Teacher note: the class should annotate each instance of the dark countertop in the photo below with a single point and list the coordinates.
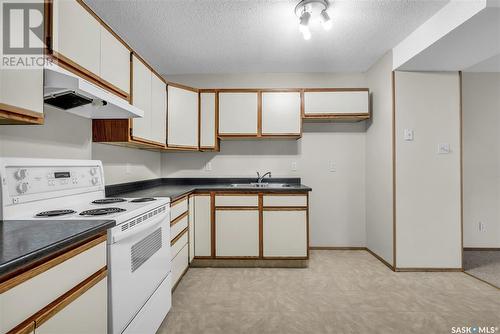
(176, 188)
(23, 242)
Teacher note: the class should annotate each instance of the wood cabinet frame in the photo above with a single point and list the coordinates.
(259, 91)
(337, 116)
(69, 64)
(216, 147)
(261, 208)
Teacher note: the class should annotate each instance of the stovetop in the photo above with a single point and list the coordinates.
(119, 209)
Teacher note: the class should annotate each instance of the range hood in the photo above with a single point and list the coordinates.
(66, 91)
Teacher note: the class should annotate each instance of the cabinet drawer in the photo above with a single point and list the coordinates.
(178, 208)
(285, 200)
(178, 244)
(86, 314)
(23, 300)
(236, 200)
(178, 227)
(179, 264)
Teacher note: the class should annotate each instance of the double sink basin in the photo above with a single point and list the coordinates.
(260, 185)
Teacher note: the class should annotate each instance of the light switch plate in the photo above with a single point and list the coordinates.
(408, 134)
(294, 166)
(443, 148)
(208, 166)
(333, 166)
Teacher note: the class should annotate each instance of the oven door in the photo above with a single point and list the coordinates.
(139, 260)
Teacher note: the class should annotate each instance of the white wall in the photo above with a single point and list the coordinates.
(66, 136)
(379, 175)
(337, 215)
(428, 184)
(481, 158)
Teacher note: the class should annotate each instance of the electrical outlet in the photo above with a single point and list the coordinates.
(443, 148)
(208, 166)
(294, 166)
(408, 134)
(482, 227)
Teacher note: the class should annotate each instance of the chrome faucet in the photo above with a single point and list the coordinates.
(260, 178)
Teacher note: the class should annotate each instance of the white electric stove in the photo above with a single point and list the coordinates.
(138, 246)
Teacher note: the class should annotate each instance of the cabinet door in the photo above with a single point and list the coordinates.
(191, 228)
(86, 314)
(202, 226)
(141, 98)
(208, 131)
(281, 113)
(77, 34)
(22, 89)
(115, 61)
(238, 113)
(158, 110)
(335, 102)
(285, 233)
(182, 116)
(237, 233)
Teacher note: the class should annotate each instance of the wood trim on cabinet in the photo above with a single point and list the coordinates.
(181, 86)
(26, 327)
(236, 208)
(60, 303)
(171, 147)
(335, 116)
(14, 281)
(16, 115)
(261, 226)
(351, 248)
(179, 218)
(118, 132)
(285, 208)
(178, 236)
(178, 200)
(212, 222)
(80, 71)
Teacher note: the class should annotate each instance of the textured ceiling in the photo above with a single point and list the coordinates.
(233, 36)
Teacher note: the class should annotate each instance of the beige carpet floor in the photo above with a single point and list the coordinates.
(483, 264)
(340, 292)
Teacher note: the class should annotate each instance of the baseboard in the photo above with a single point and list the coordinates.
(390, 266)
(337, 248)
(437, 270)
(482, 280)
(481, 248)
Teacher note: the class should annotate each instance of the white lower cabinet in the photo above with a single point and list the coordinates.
(202, 226)
(191, 227)
(180, 264)
(285, 233)
(237, 233)
(86, 314)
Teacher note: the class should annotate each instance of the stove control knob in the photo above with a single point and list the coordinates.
(22, 187)
(21, 173)
(95, 181)
(93, 171)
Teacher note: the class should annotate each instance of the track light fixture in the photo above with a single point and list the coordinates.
(307, 10)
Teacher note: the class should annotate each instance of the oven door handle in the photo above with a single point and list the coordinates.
(120, 235)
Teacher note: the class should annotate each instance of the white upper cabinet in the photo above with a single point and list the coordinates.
(158, 110)
(281, 113)
(317, 103)
(76, 34)
(182, 113)
(115, 61)
(208, 131)
(238, 113)
(81, 41)
(22, 89)
(141, 98)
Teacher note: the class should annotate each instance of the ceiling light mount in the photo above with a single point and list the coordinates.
(312, 9)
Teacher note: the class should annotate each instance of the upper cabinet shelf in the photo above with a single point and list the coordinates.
(350, 104)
